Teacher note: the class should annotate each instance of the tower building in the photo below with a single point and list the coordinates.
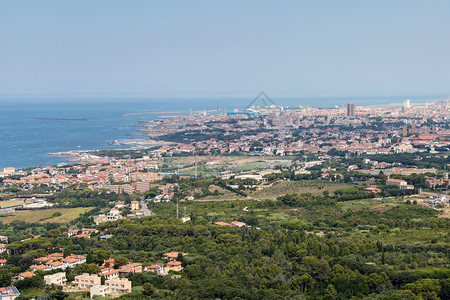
(350, 110)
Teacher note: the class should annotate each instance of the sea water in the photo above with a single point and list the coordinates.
(27, 132)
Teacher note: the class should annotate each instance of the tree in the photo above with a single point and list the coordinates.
(426, 288)
(377, 281)
(43, 296)
(87, 268)
(316, 268)
(5, 279)
(59, 295)
(193, 272)
(303, 283)
(330, 293)
(148, 289)
(29, 282)
(120, 261)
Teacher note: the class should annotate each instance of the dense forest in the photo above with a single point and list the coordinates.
(357, 255)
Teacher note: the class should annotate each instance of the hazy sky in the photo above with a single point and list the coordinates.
(227, 47)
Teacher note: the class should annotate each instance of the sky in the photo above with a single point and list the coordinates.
(235, 48)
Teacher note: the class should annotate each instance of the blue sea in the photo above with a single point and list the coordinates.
(25, 140)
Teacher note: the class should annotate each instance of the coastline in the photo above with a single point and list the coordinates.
(27, 141)
(77, 155)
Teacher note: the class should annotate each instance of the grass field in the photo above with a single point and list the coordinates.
(315, 187)
(10, 203)
(43, 216)
(225, 195)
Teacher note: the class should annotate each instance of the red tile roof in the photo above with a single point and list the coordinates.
(26, 274)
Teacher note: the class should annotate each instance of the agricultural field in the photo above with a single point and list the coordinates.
(57, 215)
(225, 195)
(11, 203)
(371, 204)
(221, 160)
(212, 210)
(211, 166)
(315, 187)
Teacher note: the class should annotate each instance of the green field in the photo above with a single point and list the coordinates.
(225, 195)
(46, 215)
(315, 187)
(347, 217)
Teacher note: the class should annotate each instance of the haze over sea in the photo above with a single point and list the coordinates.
(25, 140)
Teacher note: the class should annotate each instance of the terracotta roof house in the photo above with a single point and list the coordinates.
(172, 255)
(25, 275)
(39, 267)
(130, 268)
(9, 292)
(174, 266)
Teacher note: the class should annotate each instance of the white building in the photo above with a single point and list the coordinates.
(99, 290)
(57, 278)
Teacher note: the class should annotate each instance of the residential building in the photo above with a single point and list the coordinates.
(130, 268)
(56, 256)
(73, 260)
(372, 190)
(174, 266)
(173, 255)
(86, 281)
(89, 230)
(134, 205)
(238, 224)
(222, 224)
(39, 267)
(57, 279)
(99, 290)
(114, 214)
(397, 182)
(158, 268)
(119, 285)
(54, 265)
(83, 235)
(25, 275)
(72, 232)
(9, 170)
(109, 273)
(400, 183)
(9, 293)
(110, 262)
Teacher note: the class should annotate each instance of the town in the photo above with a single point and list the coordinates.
(67, 226)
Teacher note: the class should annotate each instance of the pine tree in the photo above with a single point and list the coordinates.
(330, 293)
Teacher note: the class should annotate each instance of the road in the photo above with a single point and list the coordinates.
(145, 209)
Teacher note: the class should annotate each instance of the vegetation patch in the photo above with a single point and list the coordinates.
(315, 187)
(54, 215)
